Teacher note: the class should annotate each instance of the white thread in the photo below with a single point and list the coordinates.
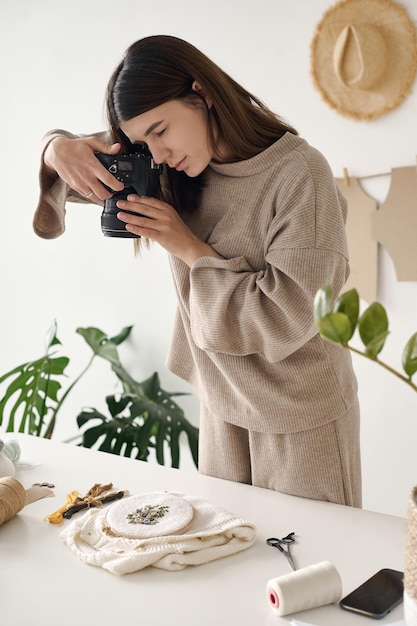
(306, 588)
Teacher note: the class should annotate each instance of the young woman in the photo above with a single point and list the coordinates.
(254, 225)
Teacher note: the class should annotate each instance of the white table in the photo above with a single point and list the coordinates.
(42, 582)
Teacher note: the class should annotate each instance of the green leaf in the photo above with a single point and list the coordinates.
(322, 303)
(142, 417)
(115, 436)
(100, 344)
(139, 422)
(374, 347)
(122, 336)
(58, 365)
(348, 303)
(409, 356)
(373, 329)
(192, 435)
(117, 404)
(129, 383)
(151, 387)
(88, 414)
(335, 327)
(31, 394)
(51, 338)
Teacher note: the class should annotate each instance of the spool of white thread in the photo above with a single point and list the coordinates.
(306, 588)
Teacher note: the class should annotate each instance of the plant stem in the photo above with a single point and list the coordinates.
(73, 438)
(51, 424)
(408, 381)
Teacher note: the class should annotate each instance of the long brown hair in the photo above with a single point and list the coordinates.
(161, 68)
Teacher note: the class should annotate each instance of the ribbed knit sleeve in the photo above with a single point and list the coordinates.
(49, 217)
(270, 312)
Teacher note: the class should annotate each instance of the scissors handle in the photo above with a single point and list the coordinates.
(283, 546)
(275, 543)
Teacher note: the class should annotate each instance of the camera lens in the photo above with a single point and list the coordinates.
(111, 226)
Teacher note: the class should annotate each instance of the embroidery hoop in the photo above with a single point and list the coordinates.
(176, 516)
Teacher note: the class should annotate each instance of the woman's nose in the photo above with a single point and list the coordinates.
(160, 155)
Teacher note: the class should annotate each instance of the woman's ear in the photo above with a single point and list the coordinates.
(201, 92)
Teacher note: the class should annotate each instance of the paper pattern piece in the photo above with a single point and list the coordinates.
(36, 492)
(395, 224)
(363, 249)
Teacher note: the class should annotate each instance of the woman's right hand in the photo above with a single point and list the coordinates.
(75, 163)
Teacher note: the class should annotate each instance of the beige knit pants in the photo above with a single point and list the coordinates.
(321, 464)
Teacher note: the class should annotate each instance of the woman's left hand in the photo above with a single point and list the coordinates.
(160, 222)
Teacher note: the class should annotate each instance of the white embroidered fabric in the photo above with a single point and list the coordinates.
(166, 530)
(148, 515)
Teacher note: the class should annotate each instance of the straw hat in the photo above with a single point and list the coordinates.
(364, 57)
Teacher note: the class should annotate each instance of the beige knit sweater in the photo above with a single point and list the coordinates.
(212, 533)
(244, 334)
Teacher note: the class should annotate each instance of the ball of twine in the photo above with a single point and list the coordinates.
(12, 498)
(410, 570)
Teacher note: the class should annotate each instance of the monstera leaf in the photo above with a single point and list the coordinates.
(31, 395)
(31, 400)
(143, 417)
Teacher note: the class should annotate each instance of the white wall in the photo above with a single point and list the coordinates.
(56, 60)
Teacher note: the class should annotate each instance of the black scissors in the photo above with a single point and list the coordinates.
(283, 546)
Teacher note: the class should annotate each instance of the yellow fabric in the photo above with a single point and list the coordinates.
(56, 517)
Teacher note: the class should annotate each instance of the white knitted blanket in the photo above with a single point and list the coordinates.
(159, 529)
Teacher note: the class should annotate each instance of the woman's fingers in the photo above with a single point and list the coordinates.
(152, 218)
(75, 162)
(142, 207)
(159, 221)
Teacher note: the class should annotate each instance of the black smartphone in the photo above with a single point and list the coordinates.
(378, 595)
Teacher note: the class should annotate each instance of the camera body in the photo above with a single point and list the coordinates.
(139, 174)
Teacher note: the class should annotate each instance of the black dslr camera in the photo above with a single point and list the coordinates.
(139, 174)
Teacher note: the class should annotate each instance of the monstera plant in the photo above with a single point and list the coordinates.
(142, 415)
(338, 322)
